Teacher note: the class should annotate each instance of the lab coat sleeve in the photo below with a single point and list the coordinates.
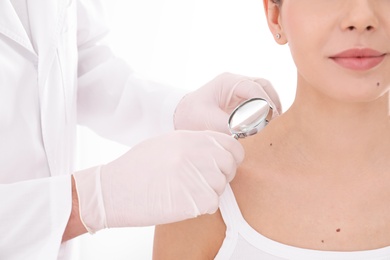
(112, 100)
(33, 218)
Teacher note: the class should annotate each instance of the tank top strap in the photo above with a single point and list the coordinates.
(229, 208)
(232, 217)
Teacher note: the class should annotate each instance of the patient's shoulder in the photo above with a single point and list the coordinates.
(198, 238)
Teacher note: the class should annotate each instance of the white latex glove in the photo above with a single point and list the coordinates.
(209, 107)
(165, 179)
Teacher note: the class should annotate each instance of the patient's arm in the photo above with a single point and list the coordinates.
(197, 239)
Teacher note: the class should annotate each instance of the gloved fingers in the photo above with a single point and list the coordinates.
(272, 95)
(233, 89)
(227, 78)
(228, 167)
(200, 199)
(230, 144)
(220, 121)
(227, 155)
(208, 203)
(205, 173)
(209, 206)
(247, 88)
(218, 177)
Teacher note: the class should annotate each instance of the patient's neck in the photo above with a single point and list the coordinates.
(329, 130)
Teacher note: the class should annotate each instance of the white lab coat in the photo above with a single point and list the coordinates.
(62, 76)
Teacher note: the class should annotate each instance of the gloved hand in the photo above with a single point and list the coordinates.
(209, 107)
(164, 179)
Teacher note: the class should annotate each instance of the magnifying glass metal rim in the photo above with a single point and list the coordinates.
(256, 127)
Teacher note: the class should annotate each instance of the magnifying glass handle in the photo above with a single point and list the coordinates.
(239, 135)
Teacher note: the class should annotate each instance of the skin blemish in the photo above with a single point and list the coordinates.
(338, 230)
(270, 144)
(322, 241)
(378, 84)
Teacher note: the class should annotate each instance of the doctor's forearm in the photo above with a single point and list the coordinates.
(74, 227)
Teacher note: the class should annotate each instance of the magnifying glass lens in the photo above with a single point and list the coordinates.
(249, 117)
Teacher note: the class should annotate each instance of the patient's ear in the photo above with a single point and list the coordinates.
(273, 12)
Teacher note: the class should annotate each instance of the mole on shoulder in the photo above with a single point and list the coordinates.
(338, 230)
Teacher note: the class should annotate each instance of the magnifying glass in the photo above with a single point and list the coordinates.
(249, 117)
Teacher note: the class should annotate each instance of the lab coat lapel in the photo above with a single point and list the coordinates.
(11, 26)
(45, 18)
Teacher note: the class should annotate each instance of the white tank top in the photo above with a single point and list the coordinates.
(243, 242)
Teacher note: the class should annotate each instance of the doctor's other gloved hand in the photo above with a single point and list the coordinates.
(209, 107)
(169, 178)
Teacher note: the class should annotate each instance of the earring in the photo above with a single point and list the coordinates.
(278, 36)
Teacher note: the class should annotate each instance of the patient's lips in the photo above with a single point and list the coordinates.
(359, 59)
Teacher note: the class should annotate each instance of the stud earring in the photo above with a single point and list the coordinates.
(278, 36)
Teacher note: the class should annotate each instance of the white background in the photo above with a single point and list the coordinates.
(182, 43)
